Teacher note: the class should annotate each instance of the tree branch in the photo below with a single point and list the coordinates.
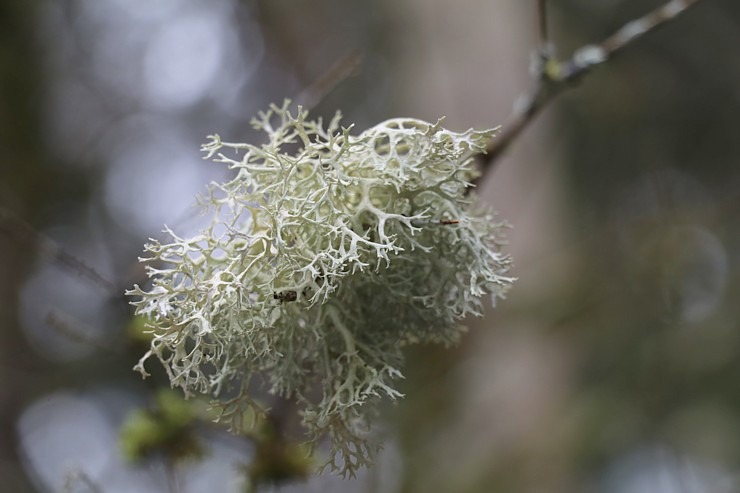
(544, 37)
(553, 77)
(22, 231)
(342, 69)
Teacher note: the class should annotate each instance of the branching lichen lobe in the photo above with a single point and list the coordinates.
(320, 264)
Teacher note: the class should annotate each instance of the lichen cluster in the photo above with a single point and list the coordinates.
(328, 252)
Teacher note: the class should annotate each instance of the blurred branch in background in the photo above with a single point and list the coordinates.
(553, 77)
(543, 28)
(345, 67)
(25, 234)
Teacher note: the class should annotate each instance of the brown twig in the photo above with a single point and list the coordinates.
(553, 77)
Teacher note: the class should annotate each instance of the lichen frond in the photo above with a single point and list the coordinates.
(328, 252)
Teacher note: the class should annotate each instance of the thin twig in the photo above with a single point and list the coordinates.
(173, 485)
(80, 477)
(543, 33)
(24, 232)
(342, 69)
(75, 330)
(554, 77)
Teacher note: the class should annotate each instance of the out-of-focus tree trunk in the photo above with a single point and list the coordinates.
(471, 407)
(22, 185)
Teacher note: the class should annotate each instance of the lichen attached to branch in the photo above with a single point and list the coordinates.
(328, 252)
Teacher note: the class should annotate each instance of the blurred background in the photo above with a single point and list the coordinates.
(614, 366)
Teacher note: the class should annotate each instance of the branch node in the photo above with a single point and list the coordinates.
(552, 76)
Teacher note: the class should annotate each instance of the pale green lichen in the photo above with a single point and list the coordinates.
(327, 253)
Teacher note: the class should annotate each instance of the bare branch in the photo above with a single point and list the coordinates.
(543, 33)
(342, 69)
(24, 232)
(78, 478)
(554, 77)
(76, 331)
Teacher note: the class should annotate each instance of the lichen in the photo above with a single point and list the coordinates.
(327, 253)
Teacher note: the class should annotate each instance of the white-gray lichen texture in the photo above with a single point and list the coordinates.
(327, 253)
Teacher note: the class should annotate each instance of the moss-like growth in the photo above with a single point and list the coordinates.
(167, 429)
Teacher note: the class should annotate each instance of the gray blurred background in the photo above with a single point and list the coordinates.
(614, 366)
